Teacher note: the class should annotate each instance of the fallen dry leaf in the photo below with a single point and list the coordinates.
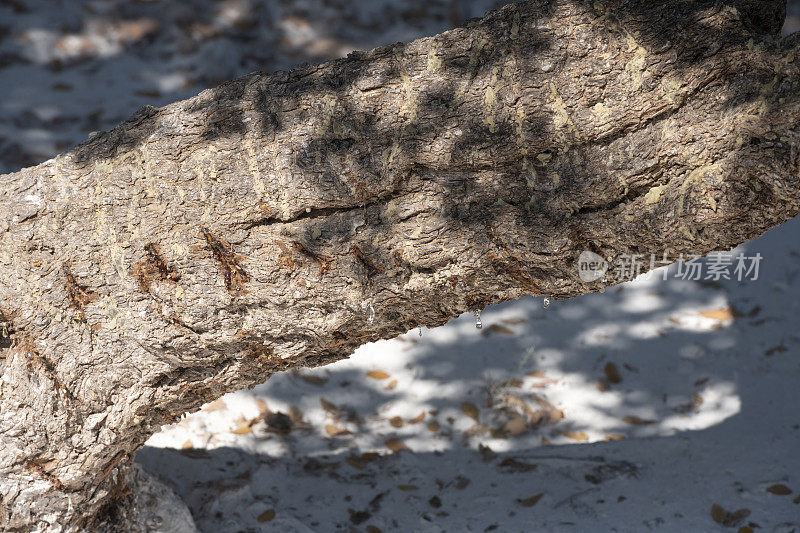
(519, 466)
(513, 321)
(462, 482)
(470, 409)
(396, 445)
(262, 407)
(434, 426)
(723, 314)
(718, 514)
(579, 436)
(516, 426)
(295, 414)
(728, 519)
(615, 436)
(417, 419)
(188, 445)
(612, 374)
(355, 463)
(536, 374)
(530, 502)
(407, 487)
(242, 429)
(216, 405)
(377, 374)
(636, 421)
(775, 349)
(391, 385)
(314, 380)
(498, 433)
(513, 382)
(335, 431)
(478, 429)
(779, 489)
(497, 328)
(555, 416)
(266, 516)
(329, 407)
(396, 422)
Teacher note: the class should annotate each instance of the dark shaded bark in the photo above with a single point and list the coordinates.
(199, 248)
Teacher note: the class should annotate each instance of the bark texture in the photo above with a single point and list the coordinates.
(201, 247)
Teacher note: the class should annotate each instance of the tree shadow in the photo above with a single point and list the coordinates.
(705, 415)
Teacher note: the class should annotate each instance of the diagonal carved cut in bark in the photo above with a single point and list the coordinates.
(201, 247)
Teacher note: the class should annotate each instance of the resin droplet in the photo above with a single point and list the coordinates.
(546, 303)
(367, 308)
(478, 323)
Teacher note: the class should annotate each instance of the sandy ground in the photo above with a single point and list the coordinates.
(662, 404)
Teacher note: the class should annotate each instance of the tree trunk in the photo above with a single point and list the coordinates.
(201, 247)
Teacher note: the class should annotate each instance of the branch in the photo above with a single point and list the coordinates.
(201, 247)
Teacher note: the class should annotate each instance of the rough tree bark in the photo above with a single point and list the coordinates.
(202, 247)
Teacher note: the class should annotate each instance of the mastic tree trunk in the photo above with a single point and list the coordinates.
(201, 247)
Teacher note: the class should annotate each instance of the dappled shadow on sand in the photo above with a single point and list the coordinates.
(702, 402)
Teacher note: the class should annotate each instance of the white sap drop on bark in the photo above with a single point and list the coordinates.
(370, 310)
